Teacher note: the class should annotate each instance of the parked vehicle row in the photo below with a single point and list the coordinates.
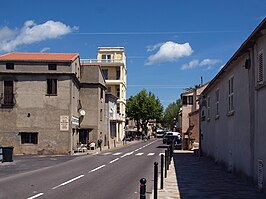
(173, 137)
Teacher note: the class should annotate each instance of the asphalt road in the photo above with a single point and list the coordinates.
(112, 174)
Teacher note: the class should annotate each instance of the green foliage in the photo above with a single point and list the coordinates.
(143, 107)
(171, 113)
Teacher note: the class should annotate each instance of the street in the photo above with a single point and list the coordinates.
(109, 174)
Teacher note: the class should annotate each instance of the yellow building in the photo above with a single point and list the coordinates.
(113, 64)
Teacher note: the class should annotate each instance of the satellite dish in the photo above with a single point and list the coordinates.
(82, 112)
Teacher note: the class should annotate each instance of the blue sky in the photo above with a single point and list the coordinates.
(169, 44)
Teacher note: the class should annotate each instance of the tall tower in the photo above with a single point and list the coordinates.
(113, 65)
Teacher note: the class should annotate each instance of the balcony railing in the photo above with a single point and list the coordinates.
(95, 61)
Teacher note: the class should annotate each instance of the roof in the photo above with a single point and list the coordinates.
(21, 56)
(259, 31)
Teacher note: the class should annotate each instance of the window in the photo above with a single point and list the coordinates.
(52, 86)
(109, 89)
(118, 92)
(208, 107)
(8, 93)
(29, 138)
(117, 74)
(101, 93)
(106, 58)
(184, 100)
(260, 67)
(10, 66)
(105, 73)
(52, 66)
(101, 115)
(190, 100)
(217, 101)
(231, 93)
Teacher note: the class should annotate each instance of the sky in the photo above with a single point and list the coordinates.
(169, 44)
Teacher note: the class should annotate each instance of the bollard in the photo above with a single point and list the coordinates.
(142, 191)
(155, 180)
(165, 163)
(162, 157)
(170, 153)
(168, 158)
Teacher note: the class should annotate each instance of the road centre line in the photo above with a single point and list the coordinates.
(150, 154)
(138, 154)
(97, 168)
(117, 153)
(113, 161)
(36, 196)
(67, 182)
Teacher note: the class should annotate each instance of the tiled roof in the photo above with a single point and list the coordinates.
(17, 56)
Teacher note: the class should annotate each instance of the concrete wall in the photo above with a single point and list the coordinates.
(90, 95)
(226, 137)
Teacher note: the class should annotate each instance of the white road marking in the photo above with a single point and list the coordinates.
(113, 161)
(69, 181)
(107, 153)
(97, 168)
(130, 153)
(150, 154)
(36, 196)
(117, 153)
(136, 150)
(138, 154)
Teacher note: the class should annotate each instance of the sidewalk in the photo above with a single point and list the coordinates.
(192, 177)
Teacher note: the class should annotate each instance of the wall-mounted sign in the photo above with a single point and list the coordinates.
(64, 122)
(75, 120)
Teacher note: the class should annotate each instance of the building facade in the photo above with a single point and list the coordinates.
(233, 112)
(113, 64)
(38, 102)
(189, 117)
(92, 101)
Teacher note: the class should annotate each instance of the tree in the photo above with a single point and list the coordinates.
(143, 107)
(171, 113)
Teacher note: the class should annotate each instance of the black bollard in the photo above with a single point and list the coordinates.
(162, 157)
(142, 191)
(155, 180)
(165, 164)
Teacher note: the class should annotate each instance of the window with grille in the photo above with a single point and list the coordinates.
(8, 93)
(52, 86)
(260, 67)
(231, 93)
(29, 138)
(190, 100)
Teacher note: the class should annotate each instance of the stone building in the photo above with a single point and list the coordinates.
(39, 97)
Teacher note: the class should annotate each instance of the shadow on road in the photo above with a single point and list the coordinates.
(202, 178)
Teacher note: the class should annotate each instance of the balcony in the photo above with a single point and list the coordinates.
(106, 62)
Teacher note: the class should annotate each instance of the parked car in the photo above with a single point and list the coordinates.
(160, 133)
(173, 137)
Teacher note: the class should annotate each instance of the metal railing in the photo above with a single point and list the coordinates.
(95, 61)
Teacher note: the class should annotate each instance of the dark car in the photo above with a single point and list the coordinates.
(173, 137)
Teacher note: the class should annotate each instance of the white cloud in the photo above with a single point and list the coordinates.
(45, 49)
(208, 63)
(154, 47)
(169, 52)
(190, 65)
(31, 33)
(6, 33)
